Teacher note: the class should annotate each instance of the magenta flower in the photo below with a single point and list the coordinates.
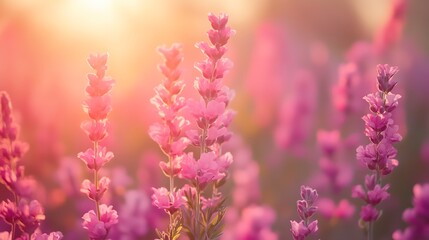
(8, 211)
(300, 230)
(95, 192)
(24, 212)
(96, 130)
(208, 168)
(95, 162)
(97, 106)
(379, 155)
(169, 201)
(98, 227)
(369, 213)
(30, 215)
(168, 134)
(50, 236)
(417, 217)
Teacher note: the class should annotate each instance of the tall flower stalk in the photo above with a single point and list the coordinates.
(168, 134)
(23, 214)
(379, 155)
(203, 217)
(97, 106)
(416, 217)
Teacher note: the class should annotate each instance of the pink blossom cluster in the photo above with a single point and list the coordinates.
(306, 209)
(23, 214)
(417, 217)
(169, 133)
(379, 155)
(210, 116)
(97, 106)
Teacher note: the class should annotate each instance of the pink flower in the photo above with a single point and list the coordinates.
(8, 211)
(300, 231)
(98, 229)
(98, 86)
(218, 22)
(384, 77)
(208, 168)
(160, 133)
(189, 166)
(50, 236)
(30, 215)
(171, 168)
(206, 114)
(369, 213)
(98, 61)
(96, 130)
(205, 170)
(169, 201)
(92, 192)
(172, 55)
(95, 162)
(98, 107)
(305, 210)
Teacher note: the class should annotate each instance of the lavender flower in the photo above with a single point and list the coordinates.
(97, 105)
(23, 213)
(300, 230)
(212, 119)
(379, 155)
(416, 217)
(169, 136)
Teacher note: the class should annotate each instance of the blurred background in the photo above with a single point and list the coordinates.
(301, 68)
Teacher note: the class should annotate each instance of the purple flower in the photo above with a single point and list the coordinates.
(369, 213)
(95, 162)
(379, 155)
(384, 77)
(300, 230)
(92, 192)
(30, 215)
(98, 229)
(97, 106)
(169, 201)
(417, 217)
(50, 236)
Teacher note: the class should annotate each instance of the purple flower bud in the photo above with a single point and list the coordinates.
(384, 77)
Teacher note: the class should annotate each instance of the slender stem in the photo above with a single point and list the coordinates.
(197, 211)
(12, 234)
(97, 204)
(13, 230)
(170, 160)
(370, 230)
(171, 177)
